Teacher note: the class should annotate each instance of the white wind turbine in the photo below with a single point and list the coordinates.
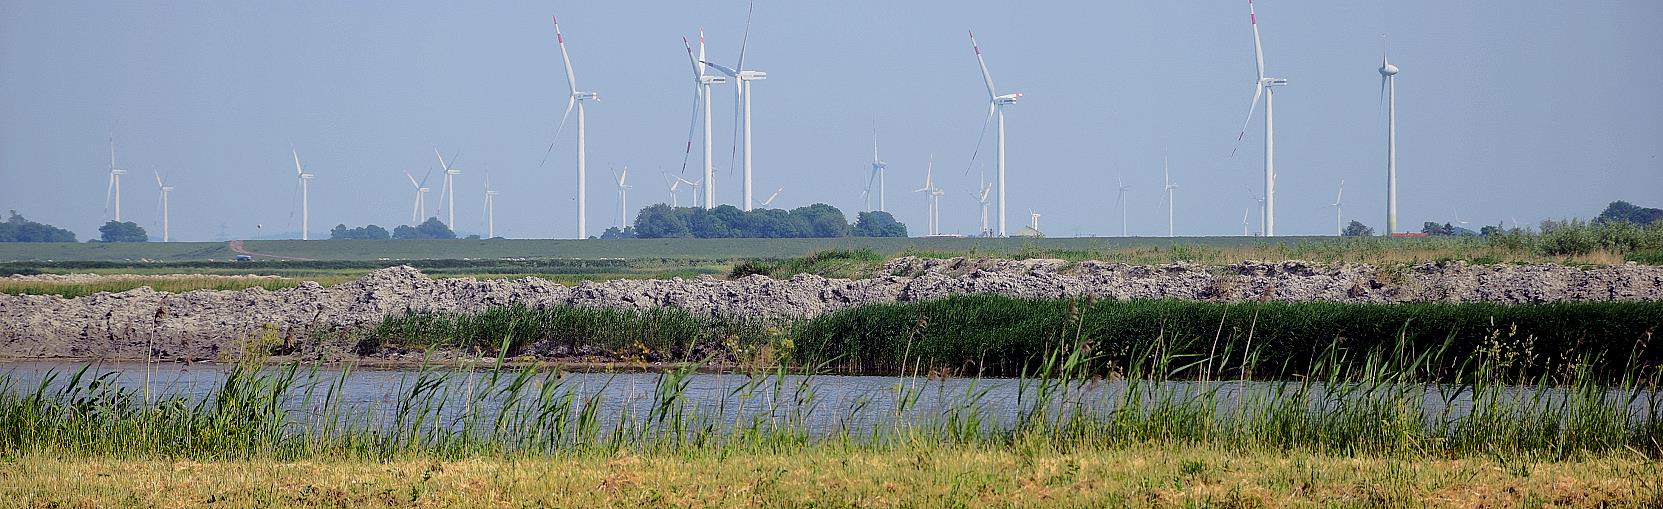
(1033, 220)
(878, 166)
(418, 211)
(1388, 87)
(490, 208)
(576, 99)
(1121, 199)
(1169, 188)
(771, 197)
(701, 94)
(933, 195)
(1244, 224)
(305, 210)
(1339, 229)
(448, 191)
(744, 77)
(165, 190)
(995, 108)
(674, 185)
(623, 197)
(983, 194)
(114, 187)
(696, 185)
(1263, 87)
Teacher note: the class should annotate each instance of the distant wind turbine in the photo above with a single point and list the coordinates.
(1339, 228)
(623, 197)
(490, 208)
(1169, 188)
(576, 99)
(744, 77)
(114, 188)
(995, 108)
(1244, 230)
(933, 196)
(1121, 199)
(305, 210)
(878, 166)
(165, 190)
(418, 211)
(701, 93)
(448, 192)
(1388, 88)
(1264, 86)
(984, 191)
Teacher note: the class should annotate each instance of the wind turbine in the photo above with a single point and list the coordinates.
(696, 185)
(1244, 231)
(1339, 229)
(933, 195)
(982, 195)
(576, 99)
(623, 197)
(1263, 87)
(744, 77)
(305, 210)
(418, 212)
(1170, 187)
(114, 187)
(701, 93)
(1121, 199)
(165, 190)
(490, 208)
(1388, 87)
(448, 192)
(675, 189)
(996, 107)
(878, 166)
(1033, 220)
(771, 197)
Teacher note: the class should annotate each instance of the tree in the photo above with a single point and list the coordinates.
(1628, 212)
(433, 228)
(661, 221)
(615, 233)
(1432, 228)
(726, 221)
(371, 232)
(877, 224)
(824, 221)
(122, 232)
(18, 229)
(1358, 229)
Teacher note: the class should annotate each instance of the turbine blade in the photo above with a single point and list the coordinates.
(731, 72)
(987, 77)
(109, 192)
(412, 180)
(1258, 90)
(570, 102)
(1258, 50)
(158, 178)
(296, 154)
(442, 164)
(980, 136)
(698, 72)
(745, 41)
(425, 176)
(693, 125)
(571, 79)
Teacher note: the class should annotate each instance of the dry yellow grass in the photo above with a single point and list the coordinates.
(1143, 476)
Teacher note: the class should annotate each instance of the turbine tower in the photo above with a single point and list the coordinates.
(744, 77)
(418, 211)
(878, 166)
(448, 192)
(490, 208)
(1339, 229)
(1388, 87)
(701, 93)
(984, 191)
(1122, 200)
(114, 187)
(623, 197)
(576, 99)
(305, 210)
(995, 108)
(1265, 87)
(1170, 187)
(165, 190)
(933, 195)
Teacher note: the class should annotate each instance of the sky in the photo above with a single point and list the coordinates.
(1508, 110)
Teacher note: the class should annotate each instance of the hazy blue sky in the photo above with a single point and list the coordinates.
(1507, 109)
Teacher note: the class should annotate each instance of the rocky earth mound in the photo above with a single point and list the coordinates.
(205, 324)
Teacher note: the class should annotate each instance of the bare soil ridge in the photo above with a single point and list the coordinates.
(206, 324)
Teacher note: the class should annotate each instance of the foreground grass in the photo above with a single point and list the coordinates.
(1138, 476)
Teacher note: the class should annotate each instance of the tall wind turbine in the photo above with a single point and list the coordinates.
(878, 166)
(576, 99)
(983, 192)
(1339, 229)
(623, 197)
(1388, 87)
(995, 108)
(114, 188)
(1170, 187)
(490, 208)
(418, 211)
(744, 77)
(701, 93)
(771, 197)
(305, 210)
(1122, 200)
(1266, 87)
(933, 195)
(448, 192)
(165, 190)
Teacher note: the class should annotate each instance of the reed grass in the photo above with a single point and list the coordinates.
(170, 284)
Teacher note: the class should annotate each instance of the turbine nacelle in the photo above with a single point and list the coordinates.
(306, 176)
(586, 96)
(118, 172)
(1273, 82)
(1388, 69)
(712, 80)
(1007, 98)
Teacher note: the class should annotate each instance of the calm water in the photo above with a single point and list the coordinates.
(823, 402)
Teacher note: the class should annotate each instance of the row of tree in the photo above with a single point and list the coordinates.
(726, 221)
(18, 229)
(432, 228)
